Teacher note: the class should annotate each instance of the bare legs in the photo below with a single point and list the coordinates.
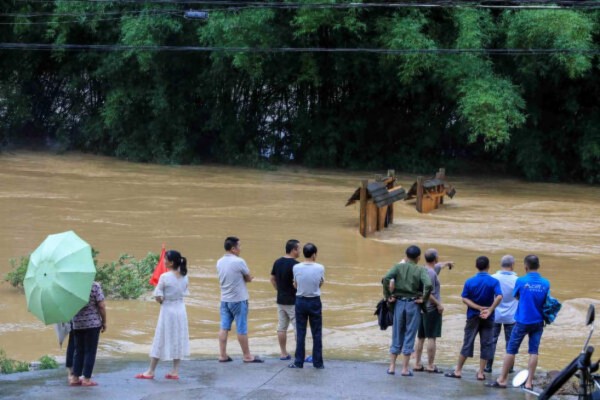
(242, 339)
(509, 361)
(153, 363)
(531, 365)
(405, 363)
(419, 352)
(282, 336)
(431, 349)
(223, 344)
(459, 366)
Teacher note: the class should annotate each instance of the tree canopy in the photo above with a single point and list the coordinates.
(534, 115)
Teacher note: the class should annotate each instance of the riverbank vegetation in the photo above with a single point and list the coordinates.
(126, 278)
(533, 115)
(10, 366)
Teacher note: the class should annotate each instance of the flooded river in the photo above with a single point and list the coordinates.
(121, 207)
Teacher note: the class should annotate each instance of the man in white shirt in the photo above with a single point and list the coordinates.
(308, 279)
(505, 312)
(233, 276)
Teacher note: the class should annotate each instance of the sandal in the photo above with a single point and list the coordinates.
(435, 370)
(142, 376)
(452, 375)
(495, 385)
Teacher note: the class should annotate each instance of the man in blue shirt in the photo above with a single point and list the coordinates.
(531, 290)
(481, 294)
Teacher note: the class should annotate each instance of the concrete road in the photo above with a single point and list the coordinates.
(209, 379)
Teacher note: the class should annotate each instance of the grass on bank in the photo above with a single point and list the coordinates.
(10, 366)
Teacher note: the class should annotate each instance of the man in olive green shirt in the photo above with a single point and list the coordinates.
(408, 286)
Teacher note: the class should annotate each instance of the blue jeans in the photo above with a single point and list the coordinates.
(308, 309)
(507, 331)
(534, 331)
(407, 318)
(86, 345)
(235, 311)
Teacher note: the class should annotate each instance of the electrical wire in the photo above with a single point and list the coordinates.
(156, 48)
(85, 14)
(523, 4)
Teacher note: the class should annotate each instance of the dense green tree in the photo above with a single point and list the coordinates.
(531, 115)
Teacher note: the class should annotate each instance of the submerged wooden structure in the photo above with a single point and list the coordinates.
(376, 202)
(430, 192)
(377, 198)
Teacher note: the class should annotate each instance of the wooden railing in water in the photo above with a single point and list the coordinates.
(377, 198)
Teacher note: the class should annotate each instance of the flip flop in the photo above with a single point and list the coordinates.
(391, 372)
(420, 369)
(228, 359)
(88, 384)
(255, 360)
(142, 376)
(78, 383)
(434, 371)
(170, 376)
(495, 385)
(286, 358)
(480, 379)
(410, 373)
(452, 375)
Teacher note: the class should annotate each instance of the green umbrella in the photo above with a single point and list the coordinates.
(59, 278)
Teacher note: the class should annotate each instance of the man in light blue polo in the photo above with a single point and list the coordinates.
(233, 276)
(505, 312)
(531, 290)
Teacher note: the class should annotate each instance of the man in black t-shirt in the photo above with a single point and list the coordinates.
(282, 279)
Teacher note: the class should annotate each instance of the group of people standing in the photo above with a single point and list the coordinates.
(298, 296)
(502, 300)
(298, 286)
(493, 302)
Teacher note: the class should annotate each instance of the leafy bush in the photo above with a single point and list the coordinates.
(8, 366)
(126, 278)
(17, 274)
(47, 362)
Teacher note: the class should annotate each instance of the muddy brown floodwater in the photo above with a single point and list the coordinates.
(121, 207)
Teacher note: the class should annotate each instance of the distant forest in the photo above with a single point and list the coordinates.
(449, 94)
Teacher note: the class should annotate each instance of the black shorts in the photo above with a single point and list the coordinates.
(485, 329)
(431, 325)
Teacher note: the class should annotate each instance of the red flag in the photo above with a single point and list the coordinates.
(159, 269)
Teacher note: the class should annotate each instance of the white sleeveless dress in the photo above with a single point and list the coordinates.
(171, 339)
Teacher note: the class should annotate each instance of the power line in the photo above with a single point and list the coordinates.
(237, 5)
(507, 4)
(85, 14)
(61, 22)
(156, 48)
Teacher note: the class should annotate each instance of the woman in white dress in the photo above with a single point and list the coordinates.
(171, 339)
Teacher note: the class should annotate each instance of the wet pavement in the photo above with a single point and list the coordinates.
(209, 379)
